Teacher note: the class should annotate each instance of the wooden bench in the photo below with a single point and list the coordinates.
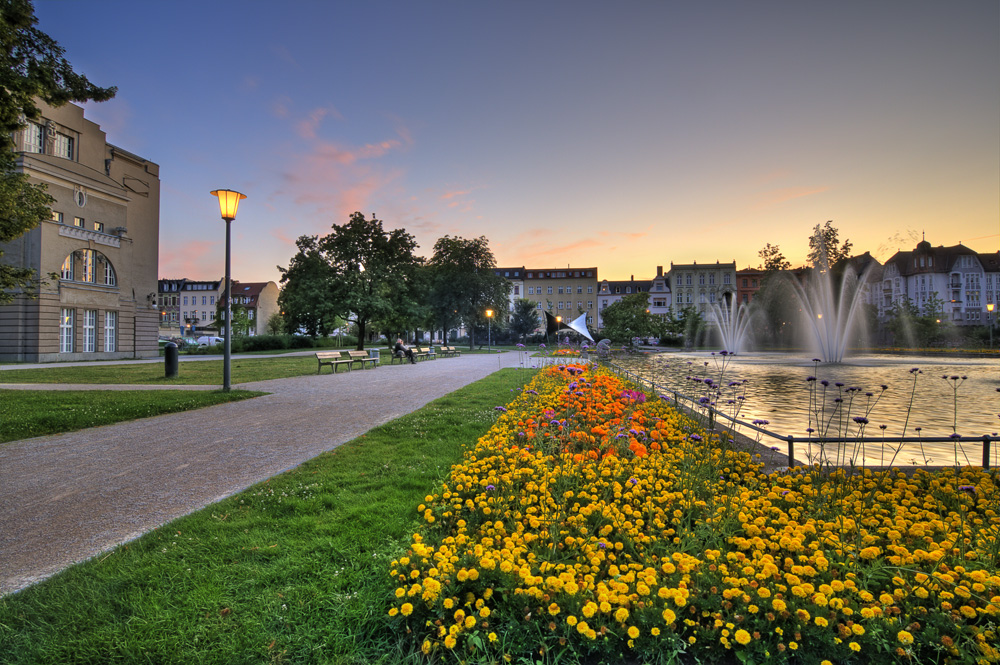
(425, 353)
(333, 359)
(450, 351)
(363, 358)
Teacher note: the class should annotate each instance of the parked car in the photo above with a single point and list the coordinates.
(209, 341)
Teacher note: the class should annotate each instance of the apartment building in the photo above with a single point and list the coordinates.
(967, 281)
(259, 300)
(516, 278)
(701, 285)
(748, 283)
(187, 307)
(611, 291)
(567, 292)
(101, 243)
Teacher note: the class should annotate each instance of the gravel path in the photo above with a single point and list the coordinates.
(69, 497)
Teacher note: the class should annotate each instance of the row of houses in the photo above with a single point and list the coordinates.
(967, 282)
(100, 296)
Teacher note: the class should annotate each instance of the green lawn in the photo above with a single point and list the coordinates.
(292, 570)
(28, 413)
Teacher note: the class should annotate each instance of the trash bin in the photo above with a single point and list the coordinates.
(171, 357)
(373, 353)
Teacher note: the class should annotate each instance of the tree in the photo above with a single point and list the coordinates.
(275, 324)
(824, 251)
(373, 271)
(305, 296)
(465, 283)
(628, 318)
(33, 67)
(774, 260)
(524, 320)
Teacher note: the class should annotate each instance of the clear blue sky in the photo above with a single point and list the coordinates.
(624, 135)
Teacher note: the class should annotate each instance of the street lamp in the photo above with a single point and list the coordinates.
(489, 330)
(229, 201)
(989, 311)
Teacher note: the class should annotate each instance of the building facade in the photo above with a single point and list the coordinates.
(567, 292)
(516, 278)
(700, 285)
(187, 307)
(260, 302)
(610, 292)
(748, 283)
(101, 244)
(964, 279)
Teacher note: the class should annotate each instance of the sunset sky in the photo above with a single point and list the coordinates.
(622, 135)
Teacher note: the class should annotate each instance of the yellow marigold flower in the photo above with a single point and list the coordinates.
(589, 610)
(967, 612)
(571, 620)
(668, 616)
(553, 609)
(742, 636)
(393, 611)
(904, 637)
(821, 622)
(492, 637)
(793, 645)
(406, 609)
(778, 604)
(854, 646)
(485, 612)
(470, 621)
(621, 615)
(450, 641)
(654, 631)
(400, 592)
(858, 629)
(633, 632)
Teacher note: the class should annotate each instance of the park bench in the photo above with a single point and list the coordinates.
(333, 359)
(450, 351)
(363, 358)
(425, 353)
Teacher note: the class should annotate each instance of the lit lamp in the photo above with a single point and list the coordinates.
(489, 330)
(229, 201)
(989, 310)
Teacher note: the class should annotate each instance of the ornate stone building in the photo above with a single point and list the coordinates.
(96, 255)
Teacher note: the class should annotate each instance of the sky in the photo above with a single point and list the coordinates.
(622, 135)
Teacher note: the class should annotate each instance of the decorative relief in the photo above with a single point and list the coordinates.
(90, 236)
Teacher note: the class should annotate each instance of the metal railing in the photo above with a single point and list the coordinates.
(713, 413)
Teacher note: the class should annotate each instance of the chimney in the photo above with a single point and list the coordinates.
(659, 271)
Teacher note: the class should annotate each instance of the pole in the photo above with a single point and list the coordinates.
(489, 334)
(228, 331)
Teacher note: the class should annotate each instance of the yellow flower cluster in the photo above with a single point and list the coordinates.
(610, 521)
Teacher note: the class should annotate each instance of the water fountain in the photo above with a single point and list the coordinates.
(733, 323)
(830, 314)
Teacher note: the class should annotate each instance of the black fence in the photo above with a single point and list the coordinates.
(694, 404)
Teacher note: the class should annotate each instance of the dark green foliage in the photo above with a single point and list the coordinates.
(524, 319)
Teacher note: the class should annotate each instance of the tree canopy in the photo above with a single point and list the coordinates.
(774, 260)
(306, 286)
(824, 248)
(464, 283)
(33, 67)
(628, 318)
(524, 318)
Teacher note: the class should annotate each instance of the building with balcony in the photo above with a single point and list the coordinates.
(100, 245)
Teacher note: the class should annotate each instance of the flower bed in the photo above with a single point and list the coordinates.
(594, 522)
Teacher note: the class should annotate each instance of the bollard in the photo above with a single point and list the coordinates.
(170, 359)
(791, 452)
(986, 451)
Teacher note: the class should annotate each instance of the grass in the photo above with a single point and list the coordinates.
(292, 570)
(28, 413)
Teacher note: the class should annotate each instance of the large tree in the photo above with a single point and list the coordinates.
(465, 283)
(774, 260)
(32, 67)
(825, 250)
(628, 318)
(306, 286)
(373, 271)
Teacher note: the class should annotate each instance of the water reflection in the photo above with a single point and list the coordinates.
(777, 390)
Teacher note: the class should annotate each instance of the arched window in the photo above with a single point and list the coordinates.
(88, 265)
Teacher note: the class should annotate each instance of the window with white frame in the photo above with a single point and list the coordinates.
(67, 268)
(538, 305)
(550, 291)
(590, 289)
(66, 330)
(34, 138)
(63, 146)
(89, 330)
(111, 331)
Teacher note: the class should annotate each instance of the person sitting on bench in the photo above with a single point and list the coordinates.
(401, 350)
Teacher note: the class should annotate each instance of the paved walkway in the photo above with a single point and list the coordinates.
(68, 497)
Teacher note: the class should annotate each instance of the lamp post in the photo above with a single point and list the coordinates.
(229, 201)
(989, 311)
(489, 330)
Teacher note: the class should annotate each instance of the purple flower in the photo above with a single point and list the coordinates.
(839, 384)
(695, 437)
(810, 378)
(967, 488)
(955, 436)
(861, 420)
(918, 428)
(817, 360)
(810, 430)
(633, 481)
(882, 427)
(490, 488)
(838, 400)
(500, 409)
(824, 383)
(914, 370)
(760, 421)
(601, 545)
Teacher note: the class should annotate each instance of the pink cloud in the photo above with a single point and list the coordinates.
(778, 196)
(187, 259)
(450, 195)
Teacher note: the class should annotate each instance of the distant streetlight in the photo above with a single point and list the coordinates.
(989, 311)
(229, 201)
(489, 330)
